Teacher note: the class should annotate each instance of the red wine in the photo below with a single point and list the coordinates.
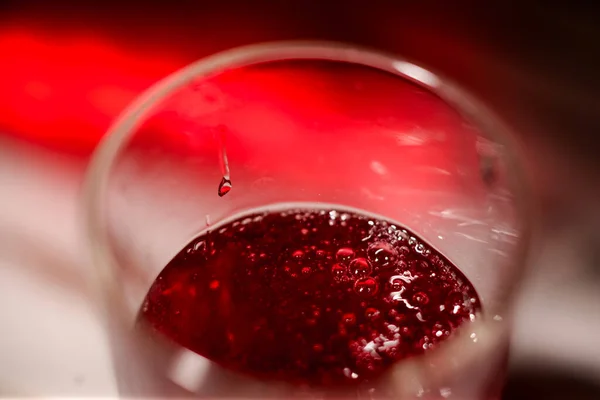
(309, 296)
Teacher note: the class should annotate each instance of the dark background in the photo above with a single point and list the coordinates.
(67, 68)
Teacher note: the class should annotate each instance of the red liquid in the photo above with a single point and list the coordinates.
(309, 296)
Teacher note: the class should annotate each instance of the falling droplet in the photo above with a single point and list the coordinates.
(224, 187)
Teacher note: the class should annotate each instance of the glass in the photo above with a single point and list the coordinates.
(308, 122)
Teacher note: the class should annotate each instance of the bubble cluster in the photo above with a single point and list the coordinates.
(315, 297)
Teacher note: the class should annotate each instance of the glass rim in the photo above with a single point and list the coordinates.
(467, 106)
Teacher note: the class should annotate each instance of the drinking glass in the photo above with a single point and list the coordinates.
(323, 124)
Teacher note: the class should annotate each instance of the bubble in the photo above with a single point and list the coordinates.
(320, 254)
(436, 260)
(401, 267)
(403, 251)
(349, 319)
(214, 285)
(396, 283)
(420, 299)
(424, 343)
(304, 231)
(317, 348)
(381, 254)
(440, 330)
(372, 313)
(360, 267)
(455, 304)
(306, 271)
(290, 271)
(344, 255)
(338, 271)
(366, 286)
(252, 257)
(420, 248)
(200, 245)
(298, 255)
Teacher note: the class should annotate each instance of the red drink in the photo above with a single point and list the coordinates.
(309, 296)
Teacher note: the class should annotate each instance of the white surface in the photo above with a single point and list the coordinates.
(52, 342)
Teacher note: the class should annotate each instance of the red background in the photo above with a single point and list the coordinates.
(67, 69)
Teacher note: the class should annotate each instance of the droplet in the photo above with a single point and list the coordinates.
(344, 255)
(224, 187)
(298, 255)
(366, 286)
(338, 271)
(381, 254)
(360, 267)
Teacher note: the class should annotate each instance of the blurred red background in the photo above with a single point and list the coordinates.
(68, 68)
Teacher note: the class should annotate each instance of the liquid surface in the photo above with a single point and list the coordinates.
(320, 297)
